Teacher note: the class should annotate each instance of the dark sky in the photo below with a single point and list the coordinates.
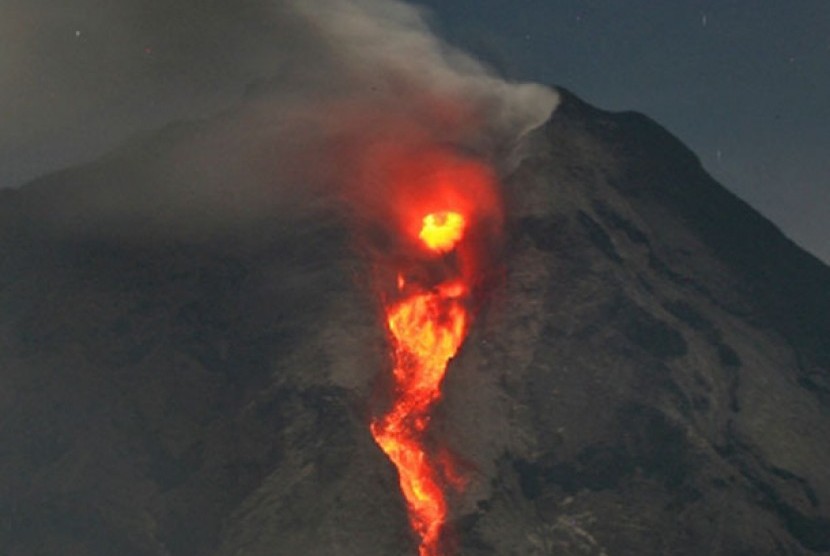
(745, 83)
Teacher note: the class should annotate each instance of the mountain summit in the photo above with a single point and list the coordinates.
(190, 375)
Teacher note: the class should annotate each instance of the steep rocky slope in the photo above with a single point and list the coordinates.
(651, 376)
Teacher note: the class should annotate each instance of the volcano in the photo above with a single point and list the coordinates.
(647, 374)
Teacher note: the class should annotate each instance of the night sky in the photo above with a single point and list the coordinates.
(744, 83)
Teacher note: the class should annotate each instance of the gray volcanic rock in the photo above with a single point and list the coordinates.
(662, 353)
(651, 377)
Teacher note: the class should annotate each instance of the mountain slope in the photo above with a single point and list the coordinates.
(651, 377)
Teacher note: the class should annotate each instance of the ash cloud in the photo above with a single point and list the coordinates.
(337, 84)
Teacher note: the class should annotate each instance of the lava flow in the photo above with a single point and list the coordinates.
(442, 217)
(427, 328)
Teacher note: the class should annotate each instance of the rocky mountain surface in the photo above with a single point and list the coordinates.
(652, 376)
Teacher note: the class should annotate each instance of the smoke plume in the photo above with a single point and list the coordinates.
(344, 87)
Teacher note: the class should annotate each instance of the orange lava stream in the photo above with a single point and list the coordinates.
(427, 329)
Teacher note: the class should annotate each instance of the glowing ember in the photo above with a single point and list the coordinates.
(427, 328)
(442, 230)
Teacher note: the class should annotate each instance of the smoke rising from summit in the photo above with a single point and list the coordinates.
(386, 51)
(331, 88)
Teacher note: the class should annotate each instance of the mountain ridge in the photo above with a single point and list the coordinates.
(645, 380)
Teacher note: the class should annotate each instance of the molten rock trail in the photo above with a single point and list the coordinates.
(446, 216)
(427, 328)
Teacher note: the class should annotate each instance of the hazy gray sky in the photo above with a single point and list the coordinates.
(745, 83)
(78, 77)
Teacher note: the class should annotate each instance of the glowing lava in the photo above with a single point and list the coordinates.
(427, 326)
(435, 234)
(442, 230)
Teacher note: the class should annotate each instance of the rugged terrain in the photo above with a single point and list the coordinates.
(651, 377)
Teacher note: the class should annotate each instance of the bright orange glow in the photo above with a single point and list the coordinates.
(434, 232)
(427, 328)
(442, 230)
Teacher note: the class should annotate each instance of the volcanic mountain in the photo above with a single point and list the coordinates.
(650, 375)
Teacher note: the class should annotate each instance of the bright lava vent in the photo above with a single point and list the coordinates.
(442, 230)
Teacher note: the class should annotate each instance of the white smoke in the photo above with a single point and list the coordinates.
(387, 46)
